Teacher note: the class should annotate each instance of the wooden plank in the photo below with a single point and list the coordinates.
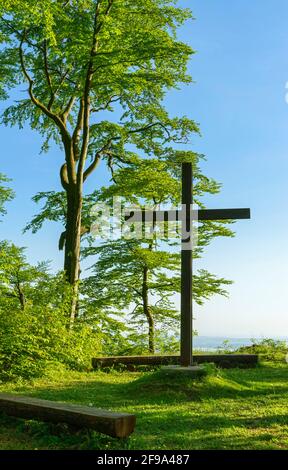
(176, 215)
(224, 361)
(224, 214)
(106, 422)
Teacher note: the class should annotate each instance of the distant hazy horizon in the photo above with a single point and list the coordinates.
(213, 343)
(241, 337)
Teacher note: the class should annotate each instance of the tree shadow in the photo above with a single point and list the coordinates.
(173, 411)
(149, 388)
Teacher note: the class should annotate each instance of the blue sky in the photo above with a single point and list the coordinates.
(238, 98)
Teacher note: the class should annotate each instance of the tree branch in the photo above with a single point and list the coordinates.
(19, 36)
(34, 100)
(146, 128)
(62, 241)
(97, 158)
(93, 165)
(68, 108)
(64, 176)
(136, 306)
(77, 131)
(10, 294)
(63, 76)
(47, 74)
(129, 287)
(86, 97)
(104, 107)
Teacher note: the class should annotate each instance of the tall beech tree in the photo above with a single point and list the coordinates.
(81, 59)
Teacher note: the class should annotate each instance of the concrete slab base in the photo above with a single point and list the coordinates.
(190, 371)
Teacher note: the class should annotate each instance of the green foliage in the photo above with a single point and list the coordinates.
(118, 275)
(138, 278)
(18, 280)
(268, 349)
(115, 288)
(33, 340)
(54, 209)
(125, 54)
(34, 332)
(167, 342)
(6, 194)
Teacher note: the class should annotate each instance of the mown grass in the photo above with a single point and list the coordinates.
(232, 409)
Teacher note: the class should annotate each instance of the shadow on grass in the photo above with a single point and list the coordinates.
(155, 388)
(172, 413)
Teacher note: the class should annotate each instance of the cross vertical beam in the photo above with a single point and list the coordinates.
(186, 267)
(186, 217)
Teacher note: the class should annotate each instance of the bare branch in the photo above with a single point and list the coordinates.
(117, 157)
(136, 306)
(67, 109)
(130, 287)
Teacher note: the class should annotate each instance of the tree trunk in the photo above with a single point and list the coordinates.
(72, 245)
(21, 297)
(20, 294)
(147, 311)
(22, 301)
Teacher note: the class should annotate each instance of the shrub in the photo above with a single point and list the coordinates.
(268, 349)
(33, 339)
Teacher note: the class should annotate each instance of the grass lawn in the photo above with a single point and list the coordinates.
(232, 409)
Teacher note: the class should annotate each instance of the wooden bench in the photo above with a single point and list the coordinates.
(225, 361)
(106, 422)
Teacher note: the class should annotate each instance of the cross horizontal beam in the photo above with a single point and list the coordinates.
(177, 215)
(224, 214)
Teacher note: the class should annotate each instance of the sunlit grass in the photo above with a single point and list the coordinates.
(233, 409)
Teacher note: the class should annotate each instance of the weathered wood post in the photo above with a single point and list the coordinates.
(186, 358)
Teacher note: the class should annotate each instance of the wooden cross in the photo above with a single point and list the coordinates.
(186, 217)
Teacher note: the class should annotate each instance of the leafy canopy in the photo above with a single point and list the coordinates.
(93, 57)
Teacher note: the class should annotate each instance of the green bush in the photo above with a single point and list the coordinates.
(34, 339)
(268, 349)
